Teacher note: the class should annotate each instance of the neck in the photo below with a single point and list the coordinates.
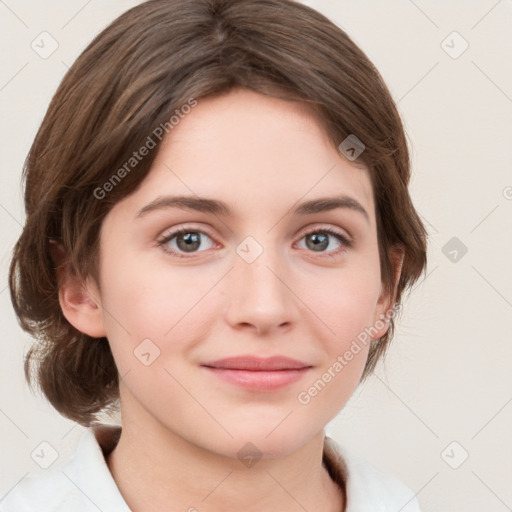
(155, 469)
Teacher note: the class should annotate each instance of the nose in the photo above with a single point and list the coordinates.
(261, 297)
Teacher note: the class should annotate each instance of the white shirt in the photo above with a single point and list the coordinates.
(83, 482)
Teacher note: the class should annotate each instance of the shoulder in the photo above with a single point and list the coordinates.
(82, 483)
(366, 487)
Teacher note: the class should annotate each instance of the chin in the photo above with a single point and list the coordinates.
(265, 440)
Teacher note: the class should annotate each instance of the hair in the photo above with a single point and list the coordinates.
(145, 66)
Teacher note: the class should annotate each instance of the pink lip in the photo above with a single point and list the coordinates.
(258, 374)
(254, 363)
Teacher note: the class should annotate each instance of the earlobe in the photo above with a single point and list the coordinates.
(79, 301)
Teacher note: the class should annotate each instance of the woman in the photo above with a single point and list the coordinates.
(218, 236)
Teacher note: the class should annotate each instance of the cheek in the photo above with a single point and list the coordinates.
(346, 302)
(166, 306)
(346, 308)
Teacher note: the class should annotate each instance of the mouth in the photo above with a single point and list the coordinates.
(258, 374)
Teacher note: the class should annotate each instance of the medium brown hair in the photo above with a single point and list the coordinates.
(131, 79)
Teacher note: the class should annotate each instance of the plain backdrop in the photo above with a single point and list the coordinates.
(438, 412)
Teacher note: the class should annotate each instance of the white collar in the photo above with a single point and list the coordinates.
(367, 489)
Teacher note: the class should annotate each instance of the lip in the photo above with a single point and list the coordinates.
(258, 374)
(254, 363)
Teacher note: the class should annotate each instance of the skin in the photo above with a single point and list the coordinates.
(182, 426)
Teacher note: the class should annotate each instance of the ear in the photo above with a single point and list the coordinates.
(79, 301)
(386, 300)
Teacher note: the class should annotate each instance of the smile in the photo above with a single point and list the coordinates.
(258, 374)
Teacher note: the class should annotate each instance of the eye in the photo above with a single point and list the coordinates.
(319, 240)
(184, 241)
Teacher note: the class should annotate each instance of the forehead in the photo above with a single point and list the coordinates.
(255, 153)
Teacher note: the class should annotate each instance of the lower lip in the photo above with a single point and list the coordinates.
(259, 380)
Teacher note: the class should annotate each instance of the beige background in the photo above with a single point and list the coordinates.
(447, 378)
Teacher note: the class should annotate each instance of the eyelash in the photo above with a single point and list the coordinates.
(346, 242)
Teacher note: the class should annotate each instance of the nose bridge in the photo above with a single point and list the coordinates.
(259, 291)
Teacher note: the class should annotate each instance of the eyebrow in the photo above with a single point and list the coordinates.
(216, 207)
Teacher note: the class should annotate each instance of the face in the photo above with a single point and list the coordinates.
(261, 276)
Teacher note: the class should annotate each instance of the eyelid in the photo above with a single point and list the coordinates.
(326, 228)
(171, 232)
(345, 239)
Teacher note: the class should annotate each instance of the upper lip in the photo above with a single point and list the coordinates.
(255, 363)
